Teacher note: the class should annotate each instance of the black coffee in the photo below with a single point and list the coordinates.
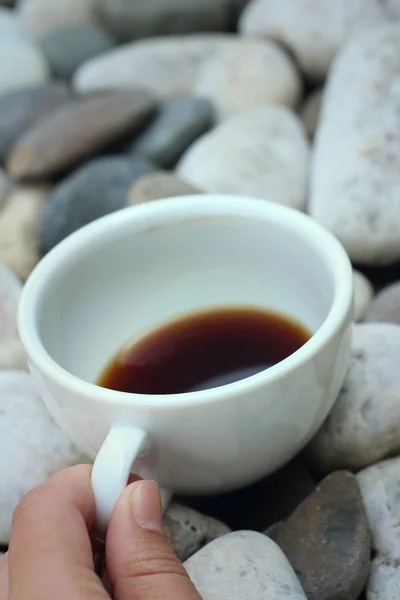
(203, 351)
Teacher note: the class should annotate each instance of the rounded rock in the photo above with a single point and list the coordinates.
(41, 16)
(249, 73)
(78, 131)
(261, 152)
(327, 540)
(5, 187)
(176, 126)
(20, 110)
(243, 564)
(35, 447)
(10, 293)
(158, 185)
(385, 307)
(380, 485)
(188, 530)
(68, 46)
(98, 188)
(22, 64)
(352, 173)
(362, 426)
(313, 30)
(13, 355)
(19, 229)
(363, 292)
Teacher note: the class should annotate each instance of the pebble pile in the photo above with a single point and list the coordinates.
(110, 103)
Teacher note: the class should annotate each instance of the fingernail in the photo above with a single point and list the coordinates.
(146, 505)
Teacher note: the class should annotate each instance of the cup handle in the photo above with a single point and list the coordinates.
(112, 467)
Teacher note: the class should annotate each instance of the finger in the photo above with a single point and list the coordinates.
(4, 577)
(140, 563)
(50, 554)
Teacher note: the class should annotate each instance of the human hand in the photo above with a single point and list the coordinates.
(50, 554)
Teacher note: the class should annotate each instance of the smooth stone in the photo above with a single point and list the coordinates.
(176, 126)
(327, 540)
(188, 530)
(20, 110)
(68, 46)
(34, 446)
(158, 185)
(22, 64)
(10, 293)
(19, 229)
(11, 25)
(77, 131)
(261, 152)
(313, 30)
(230, 71)
(363, 424)
(246, 74)
(310, 111)
(5, 186)
(352, 173)
(166, 66)
(129, 20)
(380, 485)
(243, 564)
(363, 292)
(385, 307)
(96, 189)
(41, 16)
(12, 354)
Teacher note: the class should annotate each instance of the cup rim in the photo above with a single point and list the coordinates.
(186, 207)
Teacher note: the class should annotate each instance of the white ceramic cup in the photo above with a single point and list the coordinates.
(125, 274)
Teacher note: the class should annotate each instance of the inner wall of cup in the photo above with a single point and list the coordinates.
(113, 295)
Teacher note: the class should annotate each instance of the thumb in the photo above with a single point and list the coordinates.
(140, 562)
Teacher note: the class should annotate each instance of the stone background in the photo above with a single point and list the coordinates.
(110, 103)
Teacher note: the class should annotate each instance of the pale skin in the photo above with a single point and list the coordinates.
(50, 554)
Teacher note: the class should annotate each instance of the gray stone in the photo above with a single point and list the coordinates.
(158, 185)
(96, 189)
(313, 30)
(386, 305)
(233, 72)
(363, 292)
(68, 46)
(380, 488)
(10, 293)
(310, 111)
(19, 111)
(34, 447)
(248, 73)
(40, 16)
(19, 229)
(177, 125)
(78, 131)
(363, 425)
(353, 172)
(129, 20)
(11, 25)
(327, 540)
(188, 530)
(243, 564)
(5, 187)
(261, 152)
(22, 63)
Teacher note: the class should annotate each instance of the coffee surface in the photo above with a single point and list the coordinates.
(204, 350)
